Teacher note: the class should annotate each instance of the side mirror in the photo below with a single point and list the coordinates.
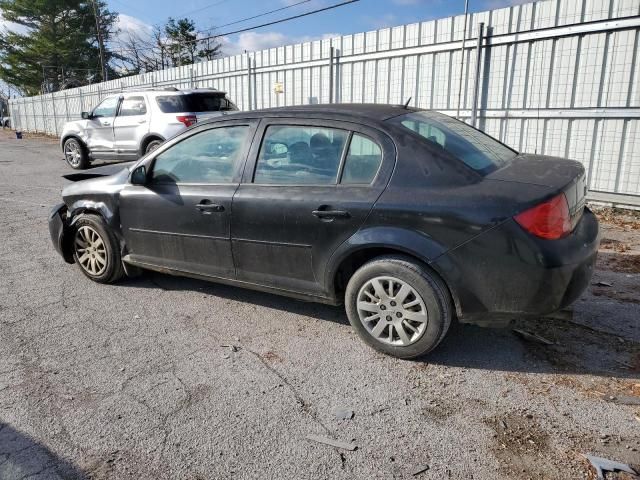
(139, 176)
(85, 115)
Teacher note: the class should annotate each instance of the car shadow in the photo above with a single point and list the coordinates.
(23, 457)
(556, 345)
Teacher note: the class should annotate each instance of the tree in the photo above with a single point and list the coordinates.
(57, 44)
(181, 41)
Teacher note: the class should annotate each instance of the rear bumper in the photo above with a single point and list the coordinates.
(58, 230)
(507, 272)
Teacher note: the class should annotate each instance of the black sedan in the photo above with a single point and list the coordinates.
(408, 217)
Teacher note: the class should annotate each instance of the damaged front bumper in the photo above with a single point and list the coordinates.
(60, 232)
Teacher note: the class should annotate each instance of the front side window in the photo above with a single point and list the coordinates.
(211, 156)
(477, 150)
(132, 106)
(363, 161)
(107, 108)
(300, 155)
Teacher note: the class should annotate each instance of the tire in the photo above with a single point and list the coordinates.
(424, 314)
(93, 236)
(152, 145)
(75, 154)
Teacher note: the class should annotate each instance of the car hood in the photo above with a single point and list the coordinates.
(104, 171)
(96, 183)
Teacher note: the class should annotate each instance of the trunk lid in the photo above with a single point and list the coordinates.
(558, 175)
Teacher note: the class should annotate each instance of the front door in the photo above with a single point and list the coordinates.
(181, 218)
(308, 190)
(100, 127)
(131, 125)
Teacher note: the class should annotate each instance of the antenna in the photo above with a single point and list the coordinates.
(407, 102)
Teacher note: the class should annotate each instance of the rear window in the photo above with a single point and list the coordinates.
(194, 102)
(477, 150)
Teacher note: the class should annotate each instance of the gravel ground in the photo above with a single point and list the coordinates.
(134, 380)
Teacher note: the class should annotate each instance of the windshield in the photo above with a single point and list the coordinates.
(195, 102)
(477, 150)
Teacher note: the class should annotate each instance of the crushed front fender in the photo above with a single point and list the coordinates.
(61, 232)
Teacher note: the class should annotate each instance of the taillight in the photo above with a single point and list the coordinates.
(548, 220)
(188, 120)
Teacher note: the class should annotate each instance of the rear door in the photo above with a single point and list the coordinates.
(131, 124)
(181, 218)
(308, 186)
(100, 127)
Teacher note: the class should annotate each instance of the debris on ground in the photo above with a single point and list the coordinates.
(334, 443)
(602, 465)
(420, 470)
(623, 399)
(233, 348)
(343, 414)
(603, 284)
(532, 337)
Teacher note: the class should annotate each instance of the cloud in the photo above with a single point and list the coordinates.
(127, 25)
(253, 41)
(10, 26)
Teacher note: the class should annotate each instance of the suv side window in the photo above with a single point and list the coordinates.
(300, 155)
(362, 162)
(211, 156)
(107, 108)
(132, 106)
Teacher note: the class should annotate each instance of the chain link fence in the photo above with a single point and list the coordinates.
(554, 77)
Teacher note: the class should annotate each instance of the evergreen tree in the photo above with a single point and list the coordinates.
(57, 43)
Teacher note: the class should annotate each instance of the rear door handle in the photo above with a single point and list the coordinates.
(208, 207)
(331, 213)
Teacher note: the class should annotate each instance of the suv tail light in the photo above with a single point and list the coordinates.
(187, 120)
(549, 220)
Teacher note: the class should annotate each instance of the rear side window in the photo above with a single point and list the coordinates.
(300, 155)
(363, 161)
(195, 102)
(477, 150)
(132, 106)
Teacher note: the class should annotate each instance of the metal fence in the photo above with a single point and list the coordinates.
(556, 77)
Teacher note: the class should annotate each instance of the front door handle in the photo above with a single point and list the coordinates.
(106, 124)
(331, 213)
(205, 206)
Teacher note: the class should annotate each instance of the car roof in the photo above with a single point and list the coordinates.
(335, 111)
(169, 91)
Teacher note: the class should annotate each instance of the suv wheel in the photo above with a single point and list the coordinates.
(398, 306)
(75, 154)
(96, 251)
(152, 145)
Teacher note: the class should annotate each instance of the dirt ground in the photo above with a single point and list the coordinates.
(136, 380)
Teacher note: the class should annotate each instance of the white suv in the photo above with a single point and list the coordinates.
(127, 125)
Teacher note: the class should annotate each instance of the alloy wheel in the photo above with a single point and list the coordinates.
(90, 251)
(392, 311)
(72, 153)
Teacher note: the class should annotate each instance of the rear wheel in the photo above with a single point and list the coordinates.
(95, 250)
(398, 306)
(152, 145)
(75, 154)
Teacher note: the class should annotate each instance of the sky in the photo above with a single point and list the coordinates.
(364, 15)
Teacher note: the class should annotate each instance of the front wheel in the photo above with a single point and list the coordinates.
(398, 306)
(75, 154)
(96, 250)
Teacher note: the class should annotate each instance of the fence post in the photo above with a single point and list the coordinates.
(55, 117)
(331, 55)
(476, 84)
(33, 111)
(250, 106)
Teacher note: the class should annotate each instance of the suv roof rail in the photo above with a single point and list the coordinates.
(150, 89)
